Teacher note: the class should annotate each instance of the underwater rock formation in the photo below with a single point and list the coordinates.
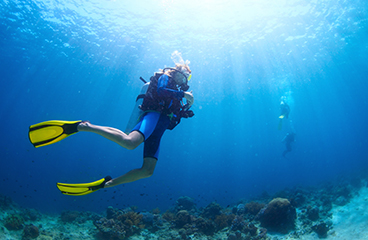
(298, 199)
(152, 221)
(253, 207)
(321, 229)
(212, 210)
(31, 214)
(239, 224)
(181, 218)
(224, 220)
(278, 215)
(185, 203)
(30, 232)
(239, 209)
(235, 236)
(312, 213)
(205, 226)
(168, 216)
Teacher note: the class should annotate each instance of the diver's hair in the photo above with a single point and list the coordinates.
(181, 67)
(171, 72)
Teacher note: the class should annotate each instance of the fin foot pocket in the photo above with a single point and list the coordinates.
(79, 189)
(49, 132)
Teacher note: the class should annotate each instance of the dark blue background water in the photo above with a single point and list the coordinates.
(70, 61)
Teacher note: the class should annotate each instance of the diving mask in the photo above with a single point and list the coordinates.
(188, 75)
(183, 72)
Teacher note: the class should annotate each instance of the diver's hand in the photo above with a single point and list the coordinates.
(189, 97)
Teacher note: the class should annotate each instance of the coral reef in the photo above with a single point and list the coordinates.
(168, 216)
(235, 236)
(69, 216)
(224, 220)
(14, 222)
(156, 211)
(253, 207)
(30, 232)
(181, 218)
(248, 229)
(185, 203)
(278, 215)
(119, 224)
(31, 215)
(153, 222)
(212, 210)
(312, 213)
(205, 226)
(321, 229)
(252, 220)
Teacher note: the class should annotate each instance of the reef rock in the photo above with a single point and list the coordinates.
(212, 210)
(313, 213)
(182, 218)
(14, 222)
(321, 229)
(30, 232)
(69, 216)
(205, 226)
(31, 214)
(253, 207)
(278, 215)
(185, 203)
(121, 225)
(235, 236)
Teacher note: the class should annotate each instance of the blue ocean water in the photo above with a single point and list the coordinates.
(73, 60)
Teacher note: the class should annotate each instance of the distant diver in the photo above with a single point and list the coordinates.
(284, 112)
(158, 107)
(288, 139)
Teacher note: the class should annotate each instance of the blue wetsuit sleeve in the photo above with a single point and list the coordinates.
(162, 88)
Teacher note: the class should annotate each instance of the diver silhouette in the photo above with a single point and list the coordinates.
(284, 112)
(288, 139)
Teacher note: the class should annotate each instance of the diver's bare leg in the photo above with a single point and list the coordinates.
(130, 141)
(145, 171)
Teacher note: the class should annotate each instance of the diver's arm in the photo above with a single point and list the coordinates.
(189, 97)
(162, 88)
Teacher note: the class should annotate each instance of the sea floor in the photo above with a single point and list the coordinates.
(345, 222)
(348, 222)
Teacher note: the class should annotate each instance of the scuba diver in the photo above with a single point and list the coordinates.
(284, 112)
(288, 139)
(161, 108)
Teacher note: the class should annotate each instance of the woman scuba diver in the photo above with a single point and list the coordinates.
(162, 109)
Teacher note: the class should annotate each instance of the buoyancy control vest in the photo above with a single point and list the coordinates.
(148, 100)
(162, 103)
